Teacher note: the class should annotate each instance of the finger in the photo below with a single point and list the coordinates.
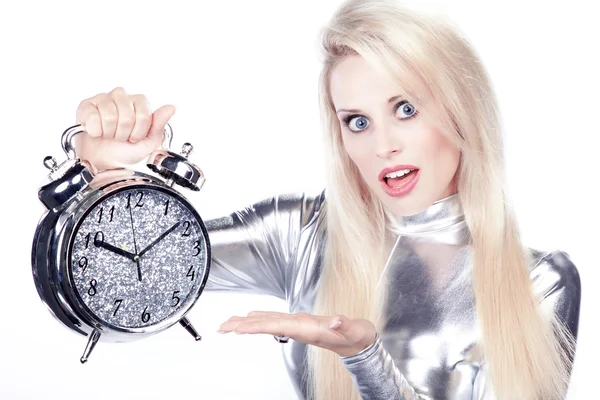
(353, 330)
(232, 323)
(89, 117)
(259, 315)
(126, 114)
(143, 118)
(160, 118)
(339, 323)
(271, 326)
(109, 117)
(306, 330)
(273, 314)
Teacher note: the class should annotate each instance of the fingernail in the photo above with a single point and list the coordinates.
(335, 324)
(220, 331)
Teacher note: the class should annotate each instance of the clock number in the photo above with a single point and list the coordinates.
(191, 273)
(197, 247)
(167, 206)
(99, 239)
(139, 202)
(187, 227)
(92, 290)
(111, 213)
(175, 298)
(145, 315)
(83, 263)
(118, 303)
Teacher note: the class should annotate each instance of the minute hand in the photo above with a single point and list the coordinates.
(161, 237)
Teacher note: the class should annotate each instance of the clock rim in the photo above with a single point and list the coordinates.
(192, 299)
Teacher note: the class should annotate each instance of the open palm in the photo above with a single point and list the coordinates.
(339, 334)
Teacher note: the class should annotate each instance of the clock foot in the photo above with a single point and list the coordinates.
(188, 327)
(94, 336)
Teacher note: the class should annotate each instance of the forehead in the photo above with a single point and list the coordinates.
(356, 84)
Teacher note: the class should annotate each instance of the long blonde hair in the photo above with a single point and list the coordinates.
(439, 73)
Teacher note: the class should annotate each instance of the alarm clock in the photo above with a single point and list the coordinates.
(119, 255)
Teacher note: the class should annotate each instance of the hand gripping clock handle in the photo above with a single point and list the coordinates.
(69, 134)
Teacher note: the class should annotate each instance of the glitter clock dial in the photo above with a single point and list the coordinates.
(138, 256)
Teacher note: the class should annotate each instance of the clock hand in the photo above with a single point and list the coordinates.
(161, 237)
(137, 257)
(139, 269)
(116, 250)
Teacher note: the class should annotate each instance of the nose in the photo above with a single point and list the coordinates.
(387, 142)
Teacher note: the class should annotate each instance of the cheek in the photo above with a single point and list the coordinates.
(360, 154)
(355, 151)
(442, 153)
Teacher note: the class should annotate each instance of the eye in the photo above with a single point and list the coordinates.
(356, 123)
(405, 110)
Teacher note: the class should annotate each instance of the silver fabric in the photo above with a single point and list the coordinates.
(429, 348)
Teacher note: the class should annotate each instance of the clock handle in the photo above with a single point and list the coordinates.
(67, 140)
(168, 137)
(71, 132)
(94, 336)
(188, 327)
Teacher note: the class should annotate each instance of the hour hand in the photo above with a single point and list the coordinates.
(116, 250)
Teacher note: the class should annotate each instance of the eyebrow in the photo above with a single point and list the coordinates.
(354, 110)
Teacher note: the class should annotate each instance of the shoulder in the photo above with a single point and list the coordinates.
(281, 209)
(291, 210)
(303, 204)
(554, 269)
(557, 283)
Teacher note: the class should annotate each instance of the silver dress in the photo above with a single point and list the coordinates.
(429, 348)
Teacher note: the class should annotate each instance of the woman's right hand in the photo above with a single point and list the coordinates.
(121, 129)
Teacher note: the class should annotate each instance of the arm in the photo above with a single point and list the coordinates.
(555, 280)
(253, 248)
(376, 377)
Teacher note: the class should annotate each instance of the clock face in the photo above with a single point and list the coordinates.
(138, 256)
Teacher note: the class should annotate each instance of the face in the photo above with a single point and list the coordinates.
(401, 156)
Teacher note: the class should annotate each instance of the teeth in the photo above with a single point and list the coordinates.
(398, 174)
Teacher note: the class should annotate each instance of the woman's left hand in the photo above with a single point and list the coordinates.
(339, 334)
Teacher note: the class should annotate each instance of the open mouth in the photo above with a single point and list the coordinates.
(399, 178)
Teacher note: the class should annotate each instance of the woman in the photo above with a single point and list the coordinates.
(406, 278)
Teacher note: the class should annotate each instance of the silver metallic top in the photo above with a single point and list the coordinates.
(429, 348)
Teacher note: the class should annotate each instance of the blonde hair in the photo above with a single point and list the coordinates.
(528, 353)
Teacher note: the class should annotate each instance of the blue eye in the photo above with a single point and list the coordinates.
(356, 123)
(405, 110)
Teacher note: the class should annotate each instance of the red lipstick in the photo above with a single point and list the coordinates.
(397, 187)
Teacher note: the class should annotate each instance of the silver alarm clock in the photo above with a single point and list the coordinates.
(119, 255)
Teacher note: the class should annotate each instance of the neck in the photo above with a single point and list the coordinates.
(442, 215)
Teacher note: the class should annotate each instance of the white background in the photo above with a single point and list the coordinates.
(243, 76)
